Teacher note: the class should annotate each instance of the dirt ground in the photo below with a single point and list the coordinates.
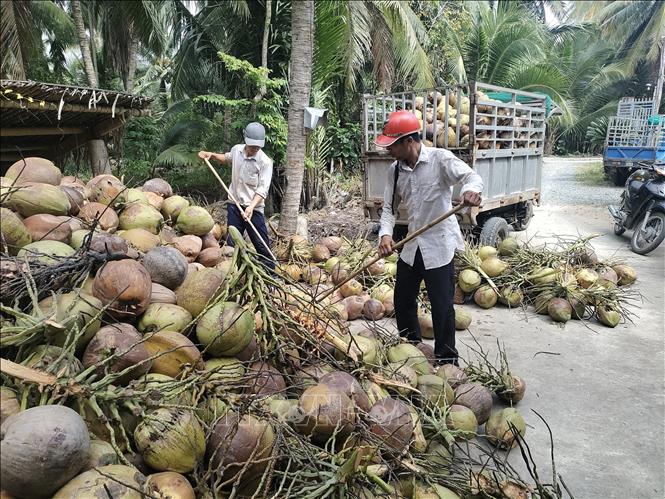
(602, 391)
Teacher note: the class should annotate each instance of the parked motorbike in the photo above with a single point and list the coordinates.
(642, 208)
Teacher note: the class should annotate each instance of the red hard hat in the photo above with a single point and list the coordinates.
(399, 124)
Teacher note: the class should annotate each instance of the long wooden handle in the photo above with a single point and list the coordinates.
(235, 201)
(397, 246)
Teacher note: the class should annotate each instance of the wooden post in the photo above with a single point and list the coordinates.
(98, 157)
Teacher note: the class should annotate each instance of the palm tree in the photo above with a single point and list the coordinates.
(84, 43)
(300, 85)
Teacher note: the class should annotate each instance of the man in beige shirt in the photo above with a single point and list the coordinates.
(251, 173)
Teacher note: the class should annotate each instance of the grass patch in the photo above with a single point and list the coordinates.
(591, 174)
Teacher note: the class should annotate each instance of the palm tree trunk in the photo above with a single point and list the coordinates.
(300, 83)
(266, 32)
(84, 43)
(131, 66)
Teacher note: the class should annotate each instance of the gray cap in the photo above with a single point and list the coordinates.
(255, 134)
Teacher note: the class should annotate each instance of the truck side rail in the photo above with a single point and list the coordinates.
(634, 132)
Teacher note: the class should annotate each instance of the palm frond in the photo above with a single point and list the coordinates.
(177, 156)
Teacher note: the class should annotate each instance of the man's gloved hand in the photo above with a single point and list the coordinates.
(386, 246)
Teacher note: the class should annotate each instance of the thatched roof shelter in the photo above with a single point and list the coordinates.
(51, 121)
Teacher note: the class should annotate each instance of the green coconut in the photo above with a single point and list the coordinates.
(13, 232)
(39, 198)
(435, 391)
(195, 220)
(77, 312)
(426, 326)
(225, 329)
(485, 296)
(608, 317)
(374, 391)
(46, 252)
(134, 195)
(462, 319)
(164, 317)
(198, 289)
(101, 454)
(543, 275)
(172, 206)
(502, 426)
(559, 310)
(586, 277)
(485, 252)
(9, 403)
(626, 274)
(41, 357)
(402, 373)
(608, 278)
(452, 375)
(438, 453)
(171, 439)
(476, 397)
(493, 266)
(366, 347)
(463, 421)
(140, 216)
(141, 239)
(211, 408)
(469, 280)
(115, 480)
(510, 296)
(409, 355)
(78, 237)
(226, 372)
(508, 246)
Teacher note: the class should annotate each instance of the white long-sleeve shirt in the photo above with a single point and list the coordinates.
(249, 176)
(426, 192)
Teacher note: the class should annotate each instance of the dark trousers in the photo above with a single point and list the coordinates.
(440, 285)
(235, 218)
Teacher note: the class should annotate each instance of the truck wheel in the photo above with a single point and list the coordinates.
(619, 176)
(494, 230)
(524, 218)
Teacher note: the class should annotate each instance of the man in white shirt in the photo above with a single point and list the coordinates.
(423, 179)
(251, 173)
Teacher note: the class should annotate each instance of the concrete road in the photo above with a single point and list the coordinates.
(601, 390)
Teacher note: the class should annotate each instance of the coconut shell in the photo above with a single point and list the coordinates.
(452, 375)
(426, 326)
(35, 199)
(42, 449)
(210, 240)
(158, 186)
(154, 200)
(44, 227)
(508, 246)
(140, 239)
(462, 319)
(9, 404)
(14, 233)
(105, 216)
(125, 286)
(172, 206)
(326, 411)
(176, 353)
(117, 481)
(477, 398)
(469, 280)
(46, 252)
(373, 310)
(169, 484)
(189, 246)
(225, 328)
(235, 441)
(138, 215)
(347, 384)
(608, 317)
(106, 189)
(117, 338)
(434, 390)
(210, 257)
(390, 421)
(626, 274)
(198, 288)
(34, 169)
(171, 439)
(77, 198)
(463, 421)
(354, 307)
(109, 244)
(559, 310)
(485, 296)
(264, 380)
(502, 426)
(162, 294)
(195, 220)
(409, 355)
(516, 391)
(164, 317)
(333, 243)
(427, 350)
(459, 297)
(351, 288)
(166, 266)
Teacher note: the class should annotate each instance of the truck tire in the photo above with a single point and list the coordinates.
(494, 230)
(619, 176)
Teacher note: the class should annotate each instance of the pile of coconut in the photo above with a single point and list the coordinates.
(141, 359)
(565, 280)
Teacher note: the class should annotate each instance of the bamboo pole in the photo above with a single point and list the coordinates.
(232, 198)
(397, 246)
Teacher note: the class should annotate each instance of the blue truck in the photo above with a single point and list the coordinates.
(635, 134)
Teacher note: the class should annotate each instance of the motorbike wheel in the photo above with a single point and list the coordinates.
(647, 240)
(619, 229)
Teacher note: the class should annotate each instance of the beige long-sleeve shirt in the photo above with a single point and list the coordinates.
(249, 176)
(426, 191)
